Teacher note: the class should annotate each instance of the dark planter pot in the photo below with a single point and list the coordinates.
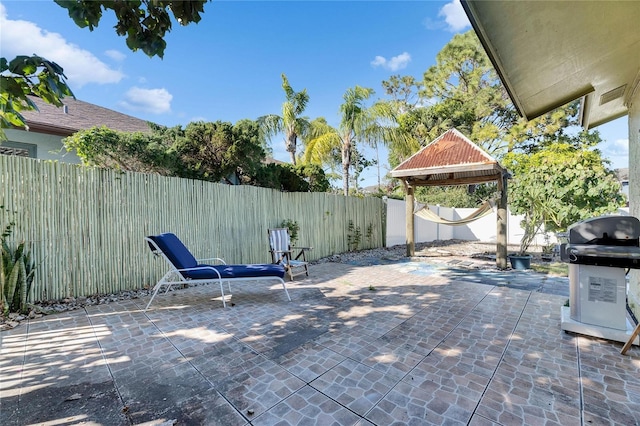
(520, 262)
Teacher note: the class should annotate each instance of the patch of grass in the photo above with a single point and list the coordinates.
(372, 288)
(558, 269)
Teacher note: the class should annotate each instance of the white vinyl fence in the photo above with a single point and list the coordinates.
(483, 229)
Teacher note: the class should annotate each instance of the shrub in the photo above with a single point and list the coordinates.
(17, 271)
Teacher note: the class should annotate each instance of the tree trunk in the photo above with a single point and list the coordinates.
(290, 145)
(346, 161)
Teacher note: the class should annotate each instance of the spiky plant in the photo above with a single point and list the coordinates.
(17, 270)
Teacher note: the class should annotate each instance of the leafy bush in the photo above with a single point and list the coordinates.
(286, 177)
(293, 228)
(559, 185)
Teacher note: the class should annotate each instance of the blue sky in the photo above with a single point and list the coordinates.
(228, 66)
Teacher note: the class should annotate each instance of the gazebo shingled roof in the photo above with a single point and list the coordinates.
(451, 159)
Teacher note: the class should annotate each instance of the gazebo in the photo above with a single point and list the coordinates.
(452, 159)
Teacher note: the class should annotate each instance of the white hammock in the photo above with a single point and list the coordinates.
(483, 210)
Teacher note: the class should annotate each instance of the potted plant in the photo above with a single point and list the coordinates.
(548, 249)
(522, 259)
(535, 208)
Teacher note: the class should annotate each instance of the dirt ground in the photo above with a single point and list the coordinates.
(445, 248)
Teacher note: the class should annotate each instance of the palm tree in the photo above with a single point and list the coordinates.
(290, 123)
(325, 141)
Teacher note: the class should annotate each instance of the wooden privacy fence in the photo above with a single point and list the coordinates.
(86, 227)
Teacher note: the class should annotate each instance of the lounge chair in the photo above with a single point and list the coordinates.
(185, 269)
(282, 253)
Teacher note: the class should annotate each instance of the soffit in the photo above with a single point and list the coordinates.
(549, 53)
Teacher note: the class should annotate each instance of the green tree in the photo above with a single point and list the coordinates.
(467, 91)
(462, 90)
(403, 91)
(23, 76)
(215, 150)
(205, 151)
(291, 123)
(143, 22)
(559, 185)
(290, 178)
(356, 121)
(314, 175)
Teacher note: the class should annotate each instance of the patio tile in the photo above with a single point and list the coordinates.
(259, 388)
(538, 378)
(406, 404)
(354, 385)
(478, 420)
(610, 388)
(55, 364)
(307, 407)
(309, 361)
(345, 342)
(225, 360)
(378, 345)
(393, 361)
(432, 377)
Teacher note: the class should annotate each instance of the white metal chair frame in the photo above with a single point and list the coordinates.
(178, 278)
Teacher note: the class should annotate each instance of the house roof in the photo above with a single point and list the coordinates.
(78, 115)
(549, 53)
(451, 159)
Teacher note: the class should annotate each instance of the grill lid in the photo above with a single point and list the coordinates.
(606, 231)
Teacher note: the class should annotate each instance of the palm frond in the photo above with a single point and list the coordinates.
(271, 125)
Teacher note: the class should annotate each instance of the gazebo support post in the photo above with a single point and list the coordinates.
(501, 231)
(409, 190)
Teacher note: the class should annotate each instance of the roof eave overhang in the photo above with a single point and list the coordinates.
(448, 170)
(451, 181)
(589, 53)
(49, 129)
(469, 9)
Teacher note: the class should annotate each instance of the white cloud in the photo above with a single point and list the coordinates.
(394, 64)
(379, 61)
(80, 66)
(617, 152)
(431, 24)
(198, 118)
(116, 55)
(155, 101)
(619, 147)
(454, 16)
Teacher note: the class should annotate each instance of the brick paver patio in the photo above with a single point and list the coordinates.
(381, 344)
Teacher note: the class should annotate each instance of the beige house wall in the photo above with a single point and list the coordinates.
(48, 147)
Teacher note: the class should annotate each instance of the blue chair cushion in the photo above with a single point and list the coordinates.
(175, 250)
(236, 271)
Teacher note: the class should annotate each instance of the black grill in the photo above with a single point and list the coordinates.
(612, 241)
